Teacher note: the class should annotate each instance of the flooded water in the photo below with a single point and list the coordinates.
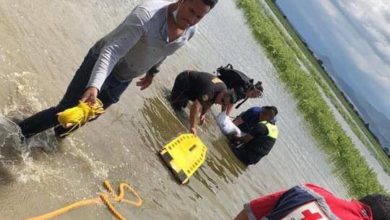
(43, 43)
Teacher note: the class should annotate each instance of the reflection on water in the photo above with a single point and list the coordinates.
(162, 121)
(163, 125)
(224, 160)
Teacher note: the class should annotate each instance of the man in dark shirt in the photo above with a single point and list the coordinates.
(260, 139)
(203, 89)
(248, 119)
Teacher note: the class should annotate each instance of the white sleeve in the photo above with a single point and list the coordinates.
(227, 126)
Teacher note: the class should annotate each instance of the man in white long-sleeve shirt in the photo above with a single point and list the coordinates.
(154, 30)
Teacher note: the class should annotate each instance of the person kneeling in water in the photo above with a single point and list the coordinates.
(248, 119)
(203, 89)
(259, 140)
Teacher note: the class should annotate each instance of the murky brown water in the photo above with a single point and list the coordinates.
(42, 44)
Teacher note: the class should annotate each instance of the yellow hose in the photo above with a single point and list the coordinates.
(103, 198)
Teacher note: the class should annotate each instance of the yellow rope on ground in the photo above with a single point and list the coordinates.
(79, 115)
(103, 198)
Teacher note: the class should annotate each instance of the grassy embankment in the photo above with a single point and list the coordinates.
(331, 91)
(357, 175)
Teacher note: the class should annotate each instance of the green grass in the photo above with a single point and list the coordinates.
(351, 166)
(331, 90)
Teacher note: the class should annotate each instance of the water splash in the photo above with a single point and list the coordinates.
(10, 134)
(15, 153)
(97, 168)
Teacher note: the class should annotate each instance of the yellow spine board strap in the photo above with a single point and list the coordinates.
(79, 115)
(184, 155)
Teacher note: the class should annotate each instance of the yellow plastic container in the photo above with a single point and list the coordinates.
(184, 155)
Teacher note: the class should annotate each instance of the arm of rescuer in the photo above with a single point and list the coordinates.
(145, 81)
(222, 98)
(243, 117)
(259, 129)
(123, 38)
(194, 112)
(228, 108)
(238, 120)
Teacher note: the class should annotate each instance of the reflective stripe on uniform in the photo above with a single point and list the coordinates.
(273, 131)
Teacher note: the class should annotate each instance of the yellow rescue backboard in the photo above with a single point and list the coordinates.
(184, 155)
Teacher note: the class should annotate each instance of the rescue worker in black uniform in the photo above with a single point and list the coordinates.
(260, 139)
(203, 89)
